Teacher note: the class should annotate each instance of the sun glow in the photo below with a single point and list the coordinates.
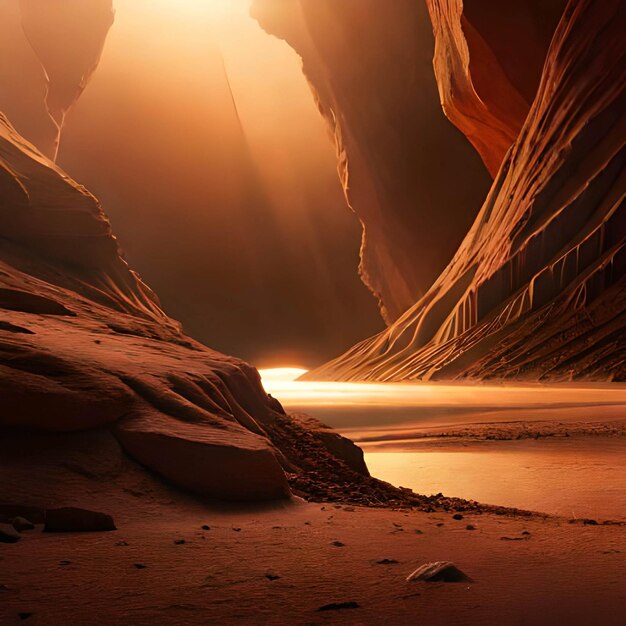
(283, 384)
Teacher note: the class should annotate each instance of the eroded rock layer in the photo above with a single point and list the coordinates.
(537, 289)
(85, 346)
(488, 60)
(412, 179)
(68, 37)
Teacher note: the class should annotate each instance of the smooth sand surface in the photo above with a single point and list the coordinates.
(279, 566)
(579, 477)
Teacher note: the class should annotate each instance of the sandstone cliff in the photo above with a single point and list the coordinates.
(537, 290)
(85, 346)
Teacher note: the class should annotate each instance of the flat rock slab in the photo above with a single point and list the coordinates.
(70, 519)
(440, 571)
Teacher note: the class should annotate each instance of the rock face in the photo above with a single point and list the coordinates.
(370, 68)
(485, 89)
(537, 290)
(84, 345)
(68, 37)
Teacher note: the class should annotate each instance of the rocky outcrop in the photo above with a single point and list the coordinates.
(488, 61)
(68, 37)
(537, 290)
(413, 181)
(84, 345)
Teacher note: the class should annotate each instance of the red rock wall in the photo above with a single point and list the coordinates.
(68, 37)
(537, 290)
(413, 181)
(488, 61)
(84, 345)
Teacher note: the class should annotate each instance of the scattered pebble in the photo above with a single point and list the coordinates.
(237, 530)
(140, 566)
(440, 524)
(417, 531)
(526, 533)
(121, 543)
(457, 516)
(65, 562)
(207, 527)
(180, 542)
(338, 544)
(512, 538)
(386, 562)
(272, 576)
(470, 527)
(24, 616)
(339, 606)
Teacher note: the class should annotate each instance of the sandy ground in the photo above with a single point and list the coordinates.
(279, 565)
(575, 476)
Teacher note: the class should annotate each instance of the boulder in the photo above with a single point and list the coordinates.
(71, 519)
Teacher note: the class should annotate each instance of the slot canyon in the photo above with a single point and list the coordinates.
(309, 308)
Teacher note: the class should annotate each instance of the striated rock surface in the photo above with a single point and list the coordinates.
(537, 290)
(412, 179)
(84, 345)
(68, 37)
(488, 60)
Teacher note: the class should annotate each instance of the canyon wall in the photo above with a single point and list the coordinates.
(68, 38)
(218, 154)
(537, 290)
(412, 179)
(86, 348)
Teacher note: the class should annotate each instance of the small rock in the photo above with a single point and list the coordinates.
(21, 524)
(121, 543)
(180, 542)
(470, 527)
(417, 531)
(440, 524)
(8, 534)
(65, 562)
(206, 527)
(338, 544)
(590, 522)
(271, 576)
(71, 519)
(512, 538)
(440, 571)
(237, 530)
(339, 606)
(4, 588)
(349, 509)
(526, 533)
(386, 562)
(140, 565)
(397, 525)
(24, 615)
(457, 516)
